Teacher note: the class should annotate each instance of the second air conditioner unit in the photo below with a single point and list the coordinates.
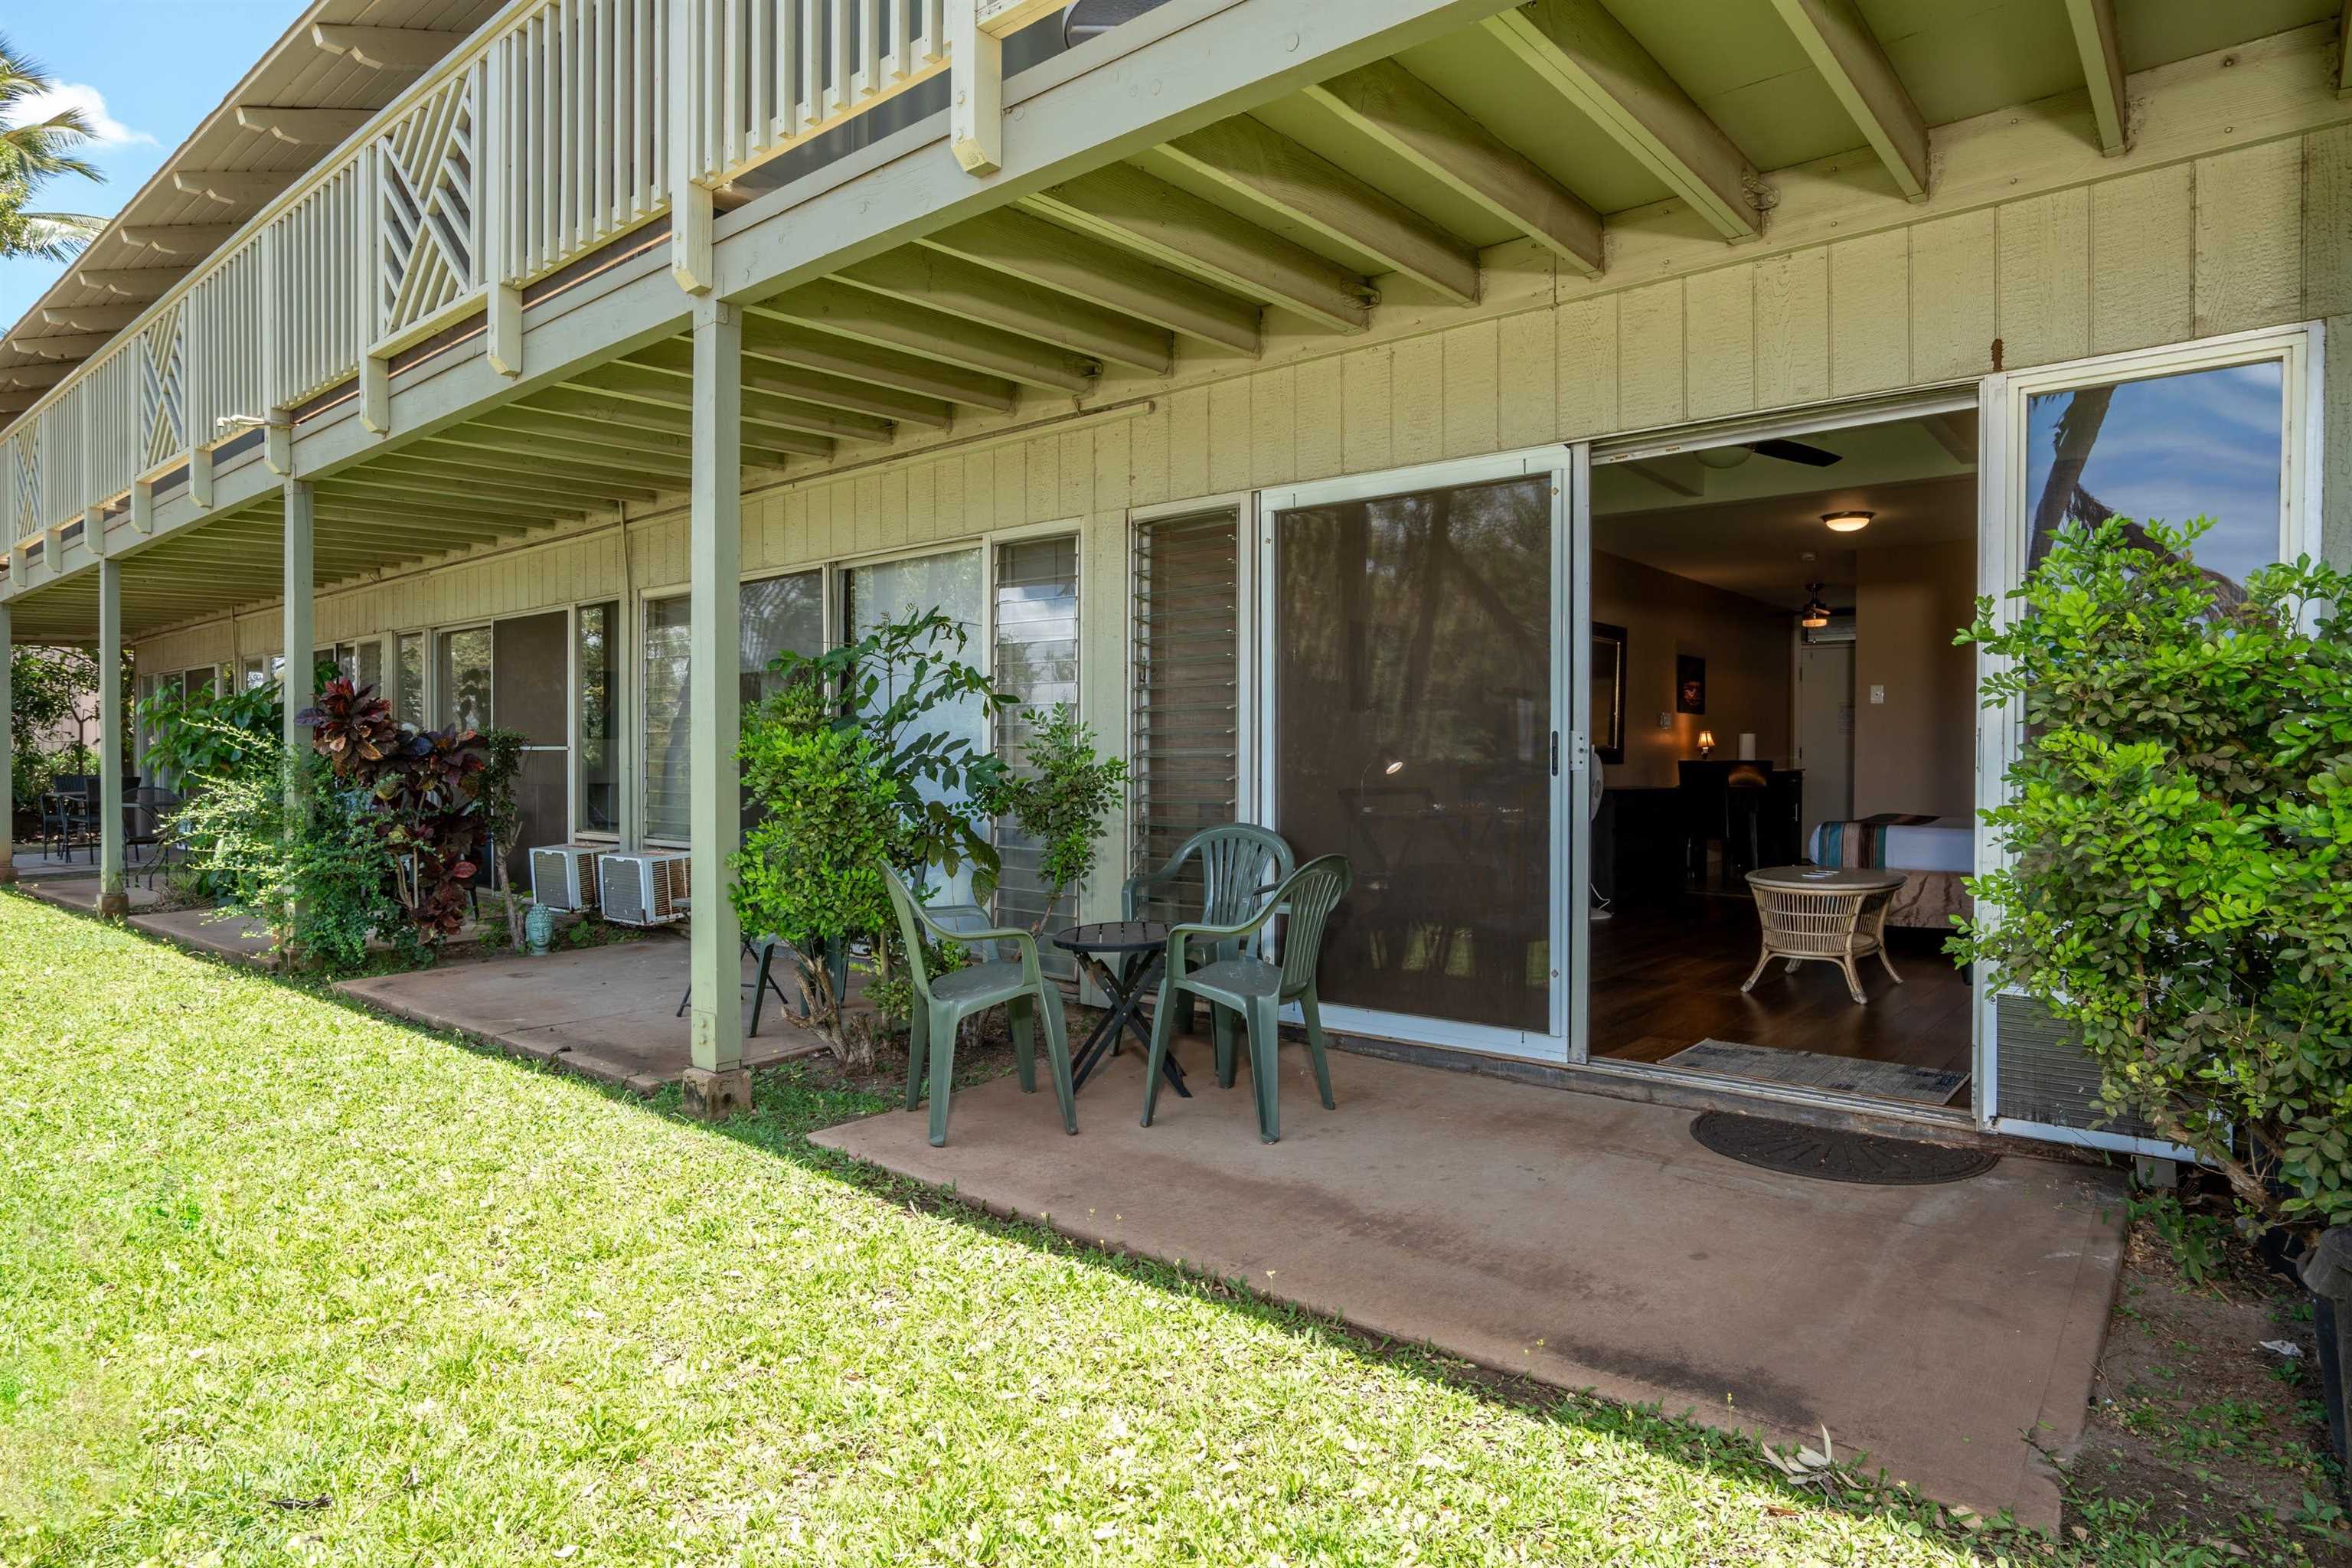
(644, 889)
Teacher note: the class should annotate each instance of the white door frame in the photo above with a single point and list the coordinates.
(2002, 513)
(1569, 871)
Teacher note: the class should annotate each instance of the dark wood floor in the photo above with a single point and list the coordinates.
(1666, 977)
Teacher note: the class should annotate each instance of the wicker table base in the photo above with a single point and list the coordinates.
(1812, 914)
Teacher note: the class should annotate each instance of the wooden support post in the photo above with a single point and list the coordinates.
(506, 329)
(7, 737)
(113, 900)
(690, 210)
(375, 394)
(976, 96)
(301, 547)
(717, 1084)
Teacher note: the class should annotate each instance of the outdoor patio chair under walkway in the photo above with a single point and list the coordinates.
(943, 1002)
(1250, 990)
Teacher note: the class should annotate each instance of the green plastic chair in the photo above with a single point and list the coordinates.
(1252, 990)
(1240, 862)
(942, 1004)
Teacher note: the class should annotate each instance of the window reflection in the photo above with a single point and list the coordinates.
(2209, 443)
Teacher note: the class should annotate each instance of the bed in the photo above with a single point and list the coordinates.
(1935, 854)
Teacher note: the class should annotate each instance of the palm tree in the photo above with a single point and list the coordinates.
(34, 152)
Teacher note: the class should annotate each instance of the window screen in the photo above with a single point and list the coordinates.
(1037, 662)
(1187, 756)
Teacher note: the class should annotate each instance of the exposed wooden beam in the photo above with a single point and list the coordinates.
(782, 380)
(132, 282)
(554, 478)
(536, 454)
(1587, 57)
(1842, 47)
(2344, 54)
(1036, 251)
(1404, 114)
(770, 445)
(972, 293)
(15, 403)
(66, 345)
(669, 389)
(417, 479)
(302, 127)
(787, 344)
(34, 375)
(231, 187)
(1956, 433)
(869, 317)
(536, 429)
(386, 49)
(1176, 228)
(2100, 47)
(178, 238)
(90, 318)
(1245, 156)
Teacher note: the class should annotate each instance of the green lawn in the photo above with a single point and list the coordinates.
(279, 1281)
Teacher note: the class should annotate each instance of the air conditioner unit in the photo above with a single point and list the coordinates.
(649, 889)
(563, 876)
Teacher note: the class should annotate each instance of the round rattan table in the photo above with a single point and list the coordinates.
(1818, 914)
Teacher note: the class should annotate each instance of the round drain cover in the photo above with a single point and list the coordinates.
(1837, 1156)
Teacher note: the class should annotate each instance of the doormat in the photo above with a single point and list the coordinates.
(1811, 1069)
(1832, 1155)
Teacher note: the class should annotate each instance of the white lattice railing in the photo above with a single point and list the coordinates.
(560, 126)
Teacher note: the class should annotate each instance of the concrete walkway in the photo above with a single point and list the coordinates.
(80, 891)
(1589, 1242)
(607, 1012)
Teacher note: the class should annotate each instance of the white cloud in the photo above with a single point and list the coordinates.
(105, 130)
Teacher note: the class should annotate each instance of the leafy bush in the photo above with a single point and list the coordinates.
(285, 845)
(2180, 892)
(424, 787)
(890, 682)
(1063, 800)
(51, 689)
(192, 735)
(809, 871)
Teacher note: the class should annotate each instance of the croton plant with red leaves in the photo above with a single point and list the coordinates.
(428, 783)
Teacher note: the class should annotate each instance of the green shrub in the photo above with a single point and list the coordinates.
(192, 735)
(2179, 828)
(286, 845)
(1064, 800)
(809, 871)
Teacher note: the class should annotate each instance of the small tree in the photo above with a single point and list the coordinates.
(1064, 800)
(425, 788)
(831, 815)
(502, 817)
(2179, 833)
(195, 735)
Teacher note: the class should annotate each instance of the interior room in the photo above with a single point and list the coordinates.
(1786, 736)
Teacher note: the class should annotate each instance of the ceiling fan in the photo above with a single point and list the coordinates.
(1786, 450)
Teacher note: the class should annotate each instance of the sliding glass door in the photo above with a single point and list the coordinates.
(1413, 700)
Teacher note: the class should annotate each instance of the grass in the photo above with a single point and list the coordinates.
(287, 1282)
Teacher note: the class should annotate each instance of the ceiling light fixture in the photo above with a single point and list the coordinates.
(1847, 522)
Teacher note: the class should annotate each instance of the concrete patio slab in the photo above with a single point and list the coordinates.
(1950, 1331)
(607, 1012)
(206, 930)
(80, 892)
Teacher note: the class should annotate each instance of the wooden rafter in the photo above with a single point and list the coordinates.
(1021, 245)
(672, 390)
(1842, 47)
(1245, 156)
(868, 318)
(1407, 116)
(784, 343)
(302, 127)
(2101, 50)
(386, 49)
(1178, 229)
(1592, 61)
(976, 294)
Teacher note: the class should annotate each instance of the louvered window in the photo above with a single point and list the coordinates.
(1187, 690)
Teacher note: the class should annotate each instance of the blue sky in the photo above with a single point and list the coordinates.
(153, 69)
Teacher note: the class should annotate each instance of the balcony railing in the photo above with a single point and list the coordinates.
(559, 127)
